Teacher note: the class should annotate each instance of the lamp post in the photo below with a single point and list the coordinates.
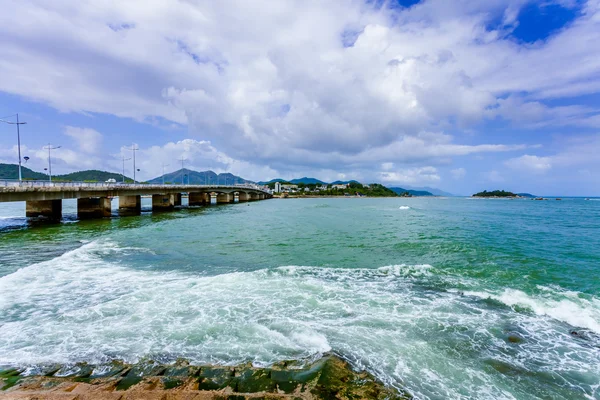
(49, 147)
(163, 175)
(124, 159)
(133, 150)
(182, 176)
(18, 140)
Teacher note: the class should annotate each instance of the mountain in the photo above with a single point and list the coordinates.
(526, 195)
(307, 181)
(11, 171)
(191, 177)
(271, 181)
(343, 182)
(433, 191)
(91, 175)
(400, 190)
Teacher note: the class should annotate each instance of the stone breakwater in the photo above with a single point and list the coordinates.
(328, 378)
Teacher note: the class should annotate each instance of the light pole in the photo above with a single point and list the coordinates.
(49, 147)
(124, 159)
(133, 150)
(182, 160)
(163, 175)
(18, 140)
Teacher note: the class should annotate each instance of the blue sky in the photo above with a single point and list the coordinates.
(462, 95)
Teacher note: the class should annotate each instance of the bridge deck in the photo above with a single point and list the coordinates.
(39, 190)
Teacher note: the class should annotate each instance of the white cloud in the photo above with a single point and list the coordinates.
(273, 88)
(530, 164)
(87, 139)
(458, 173)
(264, 96)
(421, 175)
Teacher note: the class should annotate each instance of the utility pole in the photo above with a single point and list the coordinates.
(49, 147)
(182, 160)
(133, 150)
(163, 175)
(124, 159)
(18, 141)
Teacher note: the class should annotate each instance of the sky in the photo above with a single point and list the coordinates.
(460, 95)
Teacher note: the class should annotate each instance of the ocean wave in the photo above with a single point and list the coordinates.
(404, 208)
(565, 306)
(85, 306)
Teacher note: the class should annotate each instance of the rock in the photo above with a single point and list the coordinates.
(328, 378)
(216, 378)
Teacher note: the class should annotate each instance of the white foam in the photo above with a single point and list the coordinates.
(79, 307)
(404, 208)
(572, 309)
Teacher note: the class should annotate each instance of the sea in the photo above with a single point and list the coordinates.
(449, 298)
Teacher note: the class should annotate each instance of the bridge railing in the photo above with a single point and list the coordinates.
(112, 185)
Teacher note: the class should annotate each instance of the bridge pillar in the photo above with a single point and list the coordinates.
(224, 198)
(51, 209)
(94, 207)
(261, 196)
(199, 199)
(163, 202)
(177, 199)
(130, 205)
(243, 196)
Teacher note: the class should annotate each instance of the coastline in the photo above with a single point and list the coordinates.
(329, 377)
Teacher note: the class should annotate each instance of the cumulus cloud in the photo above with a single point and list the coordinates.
(411, 175)
(87, 139)
(530, 164)
(335, 86)
(458, 173)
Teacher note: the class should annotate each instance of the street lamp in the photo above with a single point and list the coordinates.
(133, 150)
(124, 159)
(49, 147)
(182, 160)
(18, 140)
(163, 175)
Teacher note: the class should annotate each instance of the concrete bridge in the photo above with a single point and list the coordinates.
(94, 199)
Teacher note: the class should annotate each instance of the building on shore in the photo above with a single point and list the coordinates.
(277, 188)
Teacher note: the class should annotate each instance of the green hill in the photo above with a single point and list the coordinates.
(91, 175)
(495, 193)
(199, 178)
(412, 192)
(11, 171)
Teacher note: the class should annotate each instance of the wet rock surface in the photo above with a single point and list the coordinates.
(328, 378)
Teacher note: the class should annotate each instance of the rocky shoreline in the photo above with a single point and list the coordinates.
(327, 378)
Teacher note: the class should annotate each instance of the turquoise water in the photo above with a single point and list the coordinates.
(450, 298)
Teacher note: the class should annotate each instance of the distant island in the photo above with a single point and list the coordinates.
(411, 192)
(495, 193)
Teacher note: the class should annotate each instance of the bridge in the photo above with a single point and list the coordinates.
(44, 199)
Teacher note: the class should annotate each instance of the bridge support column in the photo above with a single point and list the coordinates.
(199, 199)
(224, 198)
(130, 205)
(261, 196)
(177, 199)
(95, 207)
(163, 202)
(243, 196)
(51, 209)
